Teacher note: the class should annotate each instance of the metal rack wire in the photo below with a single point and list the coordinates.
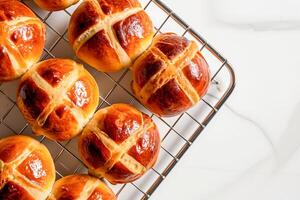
(176, 138)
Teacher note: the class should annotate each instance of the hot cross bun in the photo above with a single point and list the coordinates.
(58, 97)
(26, 169)
(22, 39)
(119, 144)
(110, 34)
(81, 187)
(54, 5)
(171, 76)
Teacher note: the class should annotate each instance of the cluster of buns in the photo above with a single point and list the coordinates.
(169, 78)
(27, 172)
(58, 97)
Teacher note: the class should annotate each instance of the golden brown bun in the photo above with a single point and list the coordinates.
(26, 169)
(54, 5)
(119, 144)
(171, 76)
(58, 97)
(22, 39)
(81, 187)
(110, 34)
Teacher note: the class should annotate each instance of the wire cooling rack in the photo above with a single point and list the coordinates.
(177, 133)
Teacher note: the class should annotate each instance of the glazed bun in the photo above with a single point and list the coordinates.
(81, 187)
(26, 169)
(171, 76)
(57, 97)
(54, 5)
(22, 39)
(110, 34)
(119, 144)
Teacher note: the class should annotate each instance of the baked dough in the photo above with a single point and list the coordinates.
(58, 97)
(22, 39)
(110, 34)
(81, 187)
(55, 5)
(26, 169)
(171, 76)
(119, 144)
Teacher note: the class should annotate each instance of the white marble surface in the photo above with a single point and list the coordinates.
(257, 157)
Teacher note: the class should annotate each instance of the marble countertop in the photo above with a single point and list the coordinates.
(251, 148)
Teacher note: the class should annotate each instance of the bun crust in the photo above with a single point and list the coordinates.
(58, 97)
(81, 187)
(54, 5)
(22, 39)
(110, 34)
(171, 76)
(119, 144)
(26, 169)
